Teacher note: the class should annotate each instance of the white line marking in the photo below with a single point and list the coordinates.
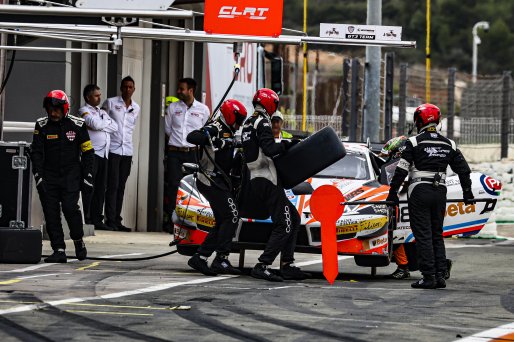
(467, 246)
(491, 334)
(38, 266)
(41, 275)
(27, 269)
(120, 255)
(160, 287)
(319, 261)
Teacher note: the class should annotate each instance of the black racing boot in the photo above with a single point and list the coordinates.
(427, 282)
(440, 283)
(80, 249)
(291, 272)
(262, 271)
(58, 256)
(400, 273)
(200, 264)
(449, 265)
(222, 265)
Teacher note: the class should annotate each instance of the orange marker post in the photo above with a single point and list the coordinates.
(326, 207)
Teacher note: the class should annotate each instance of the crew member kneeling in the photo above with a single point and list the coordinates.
(215, 161)
(259, 148)
(426, 156)
(62, 163)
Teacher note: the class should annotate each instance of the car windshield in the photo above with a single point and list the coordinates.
(352, 166)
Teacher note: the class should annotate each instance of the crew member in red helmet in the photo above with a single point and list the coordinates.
(62, 160)
(215, 158)
(259, 147)
(425, 159)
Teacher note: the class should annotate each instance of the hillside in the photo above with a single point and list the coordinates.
(452, 22)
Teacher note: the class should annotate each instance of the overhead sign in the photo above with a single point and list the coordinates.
(245, 17)
(362, 32)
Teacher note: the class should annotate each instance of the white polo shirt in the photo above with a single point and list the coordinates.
(125, 117)
(99, 126)
(181, 120)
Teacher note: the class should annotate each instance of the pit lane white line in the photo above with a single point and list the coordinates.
(120, 255)
(319, 261)
(38, 266)
(160, 287)
(501, 333)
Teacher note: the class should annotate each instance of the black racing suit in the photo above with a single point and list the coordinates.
(259, 148)
(425, 159)
(214, 184)
(62, 156)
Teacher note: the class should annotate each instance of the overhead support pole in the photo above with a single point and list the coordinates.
(51, 49)
(86, 12)
(372, 77)
(196, 36)
(427, 50)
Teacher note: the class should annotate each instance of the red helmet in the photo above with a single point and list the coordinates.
(57, 98)
(426, 114)
(233, 112)
(267, 98)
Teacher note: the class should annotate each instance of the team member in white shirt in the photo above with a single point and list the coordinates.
(124, 111)
(182, 118)
(99, 126)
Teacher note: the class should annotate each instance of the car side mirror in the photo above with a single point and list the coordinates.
(190, 168)
(303, 188)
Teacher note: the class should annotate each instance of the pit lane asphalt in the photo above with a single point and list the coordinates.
(115, 301)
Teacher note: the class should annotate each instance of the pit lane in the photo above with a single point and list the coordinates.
(163, 300)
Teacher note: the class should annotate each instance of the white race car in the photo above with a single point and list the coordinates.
(365, 231)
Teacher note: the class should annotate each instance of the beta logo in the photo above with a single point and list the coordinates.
(491, 186)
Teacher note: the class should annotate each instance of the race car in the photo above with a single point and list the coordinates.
(365, 231)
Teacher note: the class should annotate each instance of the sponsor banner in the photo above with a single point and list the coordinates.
(244, 17)
(345, 227)
(375, 242)
(362, 32)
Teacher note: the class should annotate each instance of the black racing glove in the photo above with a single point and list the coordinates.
(467, 195)
(222, 143)
(393, 197)
(87, 183)
(40, 183)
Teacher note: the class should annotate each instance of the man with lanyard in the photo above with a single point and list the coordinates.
(259, 147)
(124, 111)
(99, 126)
(182, 118)
(425, 159)
(62, 158)
(215, 154)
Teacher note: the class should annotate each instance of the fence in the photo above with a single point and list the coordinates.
(473, 113)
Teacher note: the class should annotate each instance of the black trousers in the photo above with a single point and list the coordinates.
(93, 202)
(226, 215)
(285, 217)
(174, 174)
(55, 198)
(426, 210)
(118, 173)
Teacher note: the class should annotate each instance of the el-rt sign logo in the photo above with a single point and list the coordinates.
(244, 17)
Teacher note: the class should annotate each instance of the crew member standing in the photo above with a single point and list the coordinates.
(259, 148)
(277, 120)
(124, 111)
(425, 159)
(99, 126)
(182, 118)
(216, 153)
(62, 159)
